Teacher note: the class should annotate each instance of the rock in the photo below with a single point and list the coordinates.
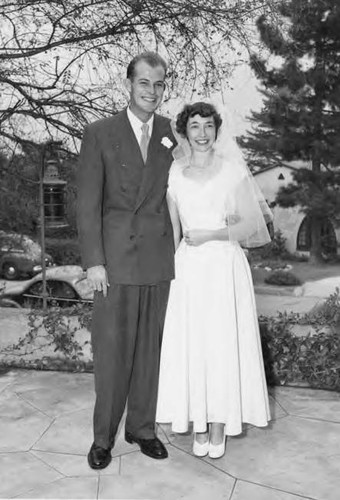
(321, 288)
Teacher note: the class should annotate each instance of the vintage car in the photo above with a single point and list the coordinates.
(20, 256)
(65, 286)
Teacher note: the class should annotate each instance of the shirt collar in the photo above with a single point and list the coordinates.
(136, 123)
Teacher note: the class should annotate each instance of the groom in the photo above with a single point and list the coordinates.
(127, 248)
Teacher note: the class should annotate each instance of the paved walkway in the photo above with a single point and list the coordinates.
(271, 304)
(45, 433)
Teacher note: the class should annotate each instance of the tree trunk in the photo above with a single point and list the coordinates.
(315, 256)
(316, 222)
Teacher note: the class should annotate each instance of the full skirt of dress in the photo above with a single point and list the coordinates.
(211, 360)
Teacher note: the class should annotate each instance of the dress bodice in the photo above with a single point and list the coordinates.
(201, 205)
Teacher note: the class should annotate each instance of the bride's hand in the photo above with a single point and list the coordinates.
(196, 237)
(232, 219)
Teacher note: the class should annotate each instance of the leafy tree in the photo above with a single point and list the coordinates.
(19, 193)
(300, 119)
(62, 61)
(19, 204)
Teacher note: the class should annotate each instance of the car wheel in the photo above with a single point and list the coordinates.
(9, 303)
(10, 271)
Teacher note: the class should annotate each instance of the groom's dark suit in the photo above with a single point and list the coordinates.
(124, 225)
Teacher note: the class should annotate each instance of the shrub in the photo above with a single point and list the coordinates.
(276, 248)
(64, 251)
(282, 278)
(326, 313)
(295, 257)
(310, 359)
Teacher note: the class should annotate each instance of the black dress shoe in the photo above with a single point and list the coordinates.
(98, 457)
(153, 448)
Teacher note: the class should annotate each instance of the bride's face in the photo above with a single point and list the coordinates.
(201, 133)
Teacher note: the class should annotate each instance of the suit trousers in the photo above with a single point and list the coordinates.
(127, 329)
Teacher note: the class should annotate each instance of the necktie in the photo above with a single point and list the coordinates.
(144, 142)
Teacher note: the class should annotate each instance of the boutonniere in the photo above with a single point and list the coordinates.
(166, 142)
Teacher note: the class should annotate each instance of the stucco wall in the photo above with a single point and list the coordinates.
(269, 182)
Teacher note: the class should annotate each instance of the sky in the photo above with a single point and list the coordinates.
(241, 98)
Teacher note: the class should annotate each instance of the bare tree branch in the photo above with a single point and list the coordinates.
(62, 61)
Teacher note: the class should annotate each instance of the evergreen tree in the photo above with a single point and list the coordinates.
(300, 119)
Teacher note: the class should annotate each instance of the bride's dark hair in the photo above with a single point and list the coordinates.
(202, 109)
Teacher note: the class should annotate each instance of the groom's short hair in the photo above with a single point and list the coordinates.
(151, 58)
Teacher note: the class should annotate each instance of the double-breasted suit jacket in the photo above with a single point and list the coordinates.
(123, 219)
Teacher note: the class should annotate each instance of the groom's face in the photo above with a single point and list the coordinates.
(146, 89)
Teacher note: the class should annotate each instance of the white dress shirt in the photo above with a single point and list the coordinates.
(136, 124)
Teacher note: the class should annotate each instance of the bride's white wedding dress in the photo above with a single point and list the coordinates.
(211, 360)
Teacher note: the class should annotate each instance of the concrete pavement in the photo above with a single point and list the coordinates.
(46, 431)
(273, 299)
(270, 304)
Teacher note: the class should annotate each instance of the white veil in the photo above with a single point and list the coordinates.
(247, 213)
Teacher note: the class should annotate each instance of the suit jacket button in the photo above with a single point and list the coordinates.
(132, 236)
(123, 189)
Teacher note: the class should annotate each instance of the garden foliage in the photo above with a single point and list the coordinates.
(290, 359)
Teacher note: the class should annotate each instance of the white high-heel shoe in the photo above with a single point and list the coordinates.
(200, 450)
(217, 450)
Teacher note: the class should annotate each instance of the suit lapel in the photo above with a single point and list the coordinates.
(152, 167)
(126, 136)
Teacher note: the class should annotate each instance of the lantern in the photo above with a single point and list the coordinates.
(54, 196)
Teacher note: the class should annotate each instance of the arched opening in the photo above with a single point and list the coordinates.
(328, 237)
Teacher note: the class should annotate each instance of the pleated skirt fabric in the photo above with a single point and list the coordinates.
(211, 361)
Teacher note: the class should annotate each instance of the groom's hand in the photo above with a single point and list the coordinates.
(97, 277)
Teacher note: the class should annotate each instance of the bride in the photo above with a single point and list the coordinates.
(211, 371)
